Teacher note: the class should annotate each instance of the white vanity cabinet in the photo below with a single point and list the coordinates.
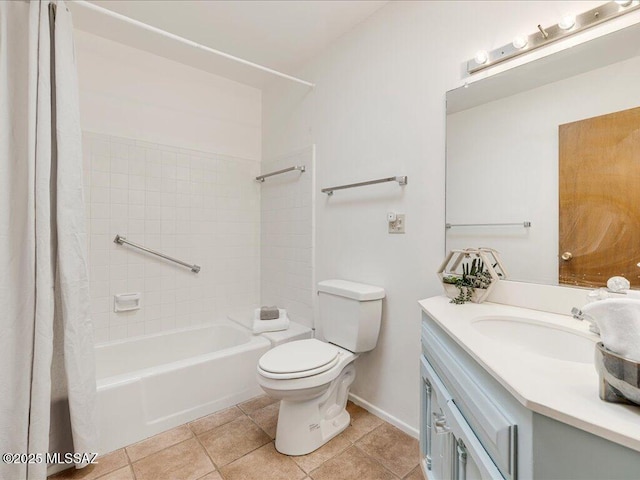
(472, 427)
(455, 414)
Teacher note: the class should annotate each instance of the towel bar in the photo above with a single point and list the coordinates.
(515, 224)
(402, 180)
(120, 240)
(302, 169)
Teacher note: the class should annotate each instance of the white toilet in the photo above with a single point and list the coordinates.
(311, 377)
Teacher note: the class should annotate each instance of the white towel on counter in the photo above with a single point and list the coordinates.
(632, 293)
(261, 326)
(619, 322)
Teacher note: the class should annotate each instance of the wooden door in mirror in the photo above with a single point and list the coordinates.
(599, 196)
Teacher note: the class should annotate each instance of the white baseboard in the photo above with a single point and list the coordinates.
(385, 416)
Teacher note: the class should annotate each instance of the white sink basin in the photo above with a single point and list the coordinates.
(540, 338)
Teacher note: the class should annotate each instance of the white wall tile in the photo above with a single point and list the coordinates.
(286, 241)
(100, 195)
(100, 211)
(117, 332)
(119, 180)
(136, 197)
(100, 163)
(154, 167)
(151, 194)
(135, 329)
(101, 334)
(119, 147)
(137, 181)
(99, 179)
(119, 165)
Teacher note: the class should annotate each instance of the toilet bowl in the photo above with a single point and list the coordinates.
(312, 377)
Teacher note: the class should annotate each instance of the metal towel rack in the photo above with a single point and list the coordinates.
(516, 224)
(302, 169)
(402, 180)
(120, 240)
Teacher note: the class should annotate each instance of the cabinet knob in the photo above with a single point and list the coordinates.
(440, 424)
(566, 256)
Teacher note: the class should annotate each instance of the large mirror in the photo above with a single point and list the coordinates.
(543, 164)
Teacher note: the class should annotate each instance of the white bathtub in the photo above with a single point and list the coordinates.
(153, 383)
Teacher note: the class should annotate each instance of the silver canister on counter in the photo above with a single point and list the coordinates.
(619, 377)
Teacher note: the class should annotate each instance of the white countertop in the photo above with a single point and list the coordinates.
(563, 390)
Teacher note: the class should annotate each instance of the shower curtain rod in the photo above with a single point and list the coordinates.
(186, 41)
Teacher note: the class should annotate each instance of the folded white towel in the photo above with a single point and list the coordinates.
(619, 322)
(261, 326)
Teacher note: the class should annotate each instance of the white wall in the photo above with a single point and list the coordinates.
(171, 153)
(133, 94)
(287, 235)
(379, 110)
(502, 165)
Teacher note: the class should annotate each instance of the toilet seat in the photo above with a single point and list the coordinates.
(302, 358)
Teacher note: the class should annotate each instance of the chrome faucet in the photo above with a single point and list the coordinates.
(579, 315)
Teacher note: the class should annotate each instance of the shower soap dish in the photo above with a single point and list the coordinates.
(125, 302)
(619, 377)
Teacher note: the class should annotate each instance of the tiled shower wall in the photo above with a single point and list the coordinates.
(200, 207)
(287, 238)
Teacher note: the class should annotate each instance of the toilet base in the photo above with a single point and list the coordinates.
(304, 426)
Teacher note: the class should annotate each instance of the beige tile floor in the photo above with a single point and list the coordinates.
(237, 444)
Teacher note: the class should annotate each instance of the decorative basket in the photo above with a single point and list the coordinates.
(619, 377)
(453, 268)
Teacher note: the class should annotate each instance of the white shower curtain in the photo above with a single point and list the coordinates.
(43, 260)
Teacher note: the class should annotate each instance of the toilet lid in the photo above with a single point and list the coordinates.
(300, 358)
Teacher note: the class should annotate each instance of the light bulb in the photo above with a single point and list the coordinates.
(481, 57)
(624, 3)
(567, 22)
(520, 42)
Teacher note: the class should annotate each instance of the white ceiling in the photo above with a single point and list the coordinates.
(276, 34)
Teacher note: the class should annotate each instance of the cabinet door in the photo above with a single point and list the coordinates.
(496, 432)
(436, 441)
(465, 465)
(462, 457)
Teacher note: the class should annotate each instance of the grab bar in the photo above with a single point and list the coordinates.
(402, 180)
(518, 224)
(120, 240)
(302, 169)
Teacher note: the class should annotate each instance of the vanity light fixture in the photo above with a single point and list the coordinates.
(568, 25)
(482, 57)
(520, 42)
(567, 22)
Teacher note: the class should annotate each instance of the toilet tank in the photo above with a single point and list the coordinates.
(350, 314)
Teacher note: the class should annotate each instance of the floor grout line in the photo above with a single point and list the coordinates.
(257, 425)
(133, 472)
(218, 469)
(215, 465)
(378, 461)
(188, 424)
(130, 463)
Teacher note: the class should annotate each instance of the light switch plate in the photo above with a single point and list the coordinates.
(398, 225)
